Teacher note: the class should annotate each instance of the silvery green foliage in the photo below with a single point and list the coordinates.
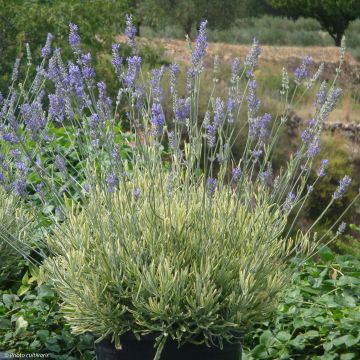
(16, 229)
(191, 243)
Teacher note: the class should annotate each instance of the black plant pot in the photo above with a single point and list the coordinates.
(132, 349)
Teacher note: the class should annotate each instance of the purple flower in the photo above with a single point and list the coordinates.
(75, 79)
(155, 83)
(87, 70)
(258, 127)
(157, 119)
(302, 72)
(117, 60)
(321, 172)
(289, 201)
(39, 189)
(219, 112)
(266, 176)
(115, 153)
(313, 147)
(172, 140)
(252, 57)
(10, 137)
(200, 47)
(252, 99)
(341, 229)
(57, 106)
(46, 50)
(34, 118)
(136, 194)
(139, 97)
(60, 163)
(1, 97)
(211, 187)
(104, 102)
(321, 95)
(233, 103)
(330, 103)
(182, 109)
(344, 183)
(74, 37)
(174, 73)
(235, 69)
(2, 178)
(134, 64)
(211, 135)
(130, 32)
(111, 181)
(257, 153)
(236, 174)
(19, 186)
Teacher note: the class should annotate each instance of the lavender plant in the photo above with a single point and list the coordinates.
(169, 232)
(16, 230)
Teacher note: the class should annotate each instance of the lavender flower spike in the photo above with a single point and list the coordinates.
(157, 120)
(341, 229)
(200, 47)
(46, 50)
(321, 172)
(211, 186)
(344, 183)
(74, 37)
(302, 72)
(252, 57)
(136, 194)
(130, 32)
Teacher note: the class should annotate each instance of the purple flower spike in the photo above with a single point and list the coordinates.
(111, 181)
(200, 47)
(46, 50)
(321, 172)
(236, 174)
(136, 194)
(211, 187)
(117, 60)
(341, 229)
(252, 58)
(130, 32)
(302, 72)
(74, 37)
(157, 120)
(174, 74)
(211, 134)
(134, 64)
(344, 183)
(289, 201)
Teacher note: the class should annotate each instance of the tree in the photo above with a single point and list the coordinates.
(187, 13)
(333, 15)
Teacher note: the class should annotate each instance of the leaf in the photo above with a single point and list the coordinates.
(23, 289)
(43, 334)
(283, 336)
(5, 324)
(9, 299)
(267, 338)
(347, 356)
(259, 352)
(326, 254)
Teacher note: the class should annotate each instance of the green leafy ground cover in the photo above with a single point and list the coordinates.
(319, 318)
